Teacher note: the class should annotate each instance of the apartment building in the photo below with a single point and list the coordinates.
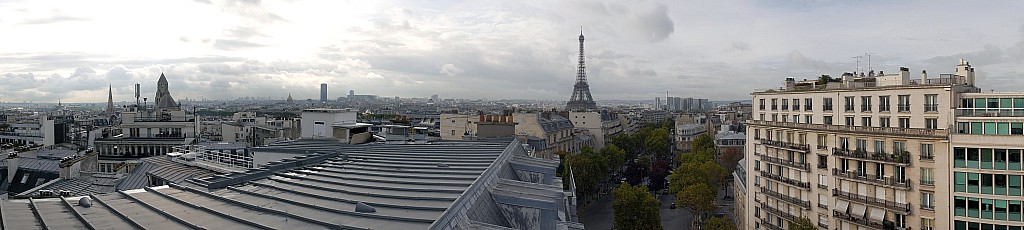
(864, 152)
(986, 165)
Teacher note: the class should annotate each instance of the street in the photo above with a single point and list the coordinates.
(600, 215)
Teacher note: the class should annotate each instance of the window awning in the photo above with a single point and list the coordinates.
(858, 210)
(877, 215)
(842, 205)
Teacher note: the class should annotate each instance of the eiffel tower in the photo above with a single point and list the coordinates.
(581, 99)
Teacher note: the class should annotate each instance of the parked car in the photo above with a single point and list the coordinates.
(672, 206)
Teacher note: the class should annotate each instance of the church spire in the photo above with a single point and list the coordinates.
(110, 99)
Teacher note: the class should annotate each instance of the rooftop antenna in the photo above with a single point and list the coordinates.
(858, 63)
(869, 60)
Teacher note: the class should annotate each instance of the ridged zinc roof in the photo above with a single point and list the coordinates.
(409, 186)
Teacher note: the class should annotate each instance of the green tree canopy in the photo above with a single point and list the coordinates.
(658, 142)
(635, 208)
(616, 156)
(698, 199)
(703, 141)
(718, 223)
(802, 224)
(588, 168)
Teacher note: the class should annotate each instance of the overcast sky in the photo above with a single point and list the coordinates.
(71, 51)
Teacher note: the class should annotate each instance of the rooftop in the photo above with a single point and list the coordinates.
(461, 184)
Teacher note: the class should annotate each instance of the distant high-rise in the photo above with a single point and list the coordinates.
(351, 92)
(323, 92)
(581, 99)
(657, 103)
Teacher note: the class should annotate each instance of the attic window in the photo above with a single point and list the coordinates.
(24, 178)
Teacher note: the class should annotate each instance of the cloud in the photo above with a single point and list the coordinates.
(226, 49)
(738, 46)
(450, 70)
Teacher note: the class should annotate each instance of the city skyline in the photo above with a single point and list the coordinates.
(524, 50)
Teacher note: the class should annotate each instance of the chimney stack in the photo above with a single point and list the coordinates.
(924, 76)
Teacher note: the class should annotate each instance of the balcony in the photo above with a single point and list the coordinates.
(882, 203)
(788, 163)
(857, 220)
(805, 185)
(786, 145)
(788, 199)
(902, 108)
(780, 213)
(868, 178)
(770, 226)
(927, 207)
(928, 183)
(968, 112)
(903, 159)
(898, 132)
(822, 146)
(929, 157)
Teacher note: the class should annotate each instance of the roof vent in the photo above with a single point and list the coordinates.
(442, 165)
(85, 202)
(362, 207)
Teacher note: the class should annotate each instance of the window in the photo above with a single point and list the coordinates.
(898, 147)
(826, 120)
(904, 122)
(809, 119)
(931, 103)
(883, 104)
(774, 105)
(844, 143)
(848, 106)
(796, 118)
(865, 103)
(931, 123)
(883, 122)
(762, 116)
(757, 134)
(827, 105)
(762, 104)
(865, 121)
(849, 121)
(822, 141)
(822, 162)
(879, 146)
(926, 152)
(823, 220)
(785, 104)
(807, 104)
(928, 200)
(822, 180)
(796, 104)
(775, 117)
(927, 224)
(904, 103)
(927, 176)
(785, 118)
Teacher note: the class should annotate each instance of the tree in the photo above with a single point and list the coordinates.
(719, 223)
(635, 208)
(615, 155)
(703, 141)
(634, 173)
(588, 168)
(825, 79)
(659, 170)
(658, 142)
(698, 199)
(802, 224)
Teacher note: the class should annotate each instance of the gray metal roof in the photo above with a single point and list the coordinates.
(409, 186)
(174, 172)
